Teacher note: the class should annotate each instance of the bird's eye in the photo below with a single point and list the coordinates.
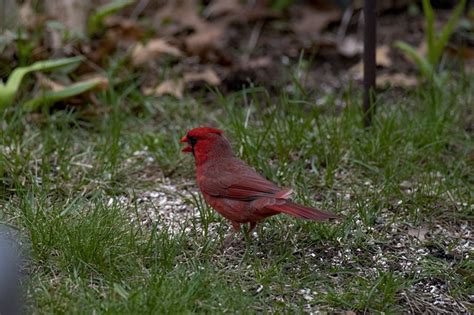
(192, 140)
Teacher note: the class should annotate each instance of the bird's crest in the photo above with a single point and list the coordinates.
(204, 131)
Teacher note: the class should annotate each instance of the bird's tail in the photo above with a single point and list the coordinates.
(303, 212)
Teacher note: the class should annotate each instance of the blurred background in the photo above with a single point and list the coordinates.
(179, 47)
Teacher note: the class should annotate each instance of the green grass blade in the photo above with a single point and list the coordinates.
(422, 63)
(97, 18)
(17, 75)
(447, 30)
(429, 18)
(50, 65)
(50, 97)
(9, 90)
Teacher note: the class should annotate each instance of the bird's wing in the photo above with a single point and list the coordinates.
(236, 180)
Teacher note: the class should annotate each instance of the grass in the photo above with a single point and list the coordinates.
(114, 224)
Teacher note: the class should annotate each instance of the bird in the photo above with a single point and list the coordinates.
(234, 189)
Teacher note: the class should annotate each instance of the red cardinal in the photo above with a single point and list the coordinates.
(234, 189)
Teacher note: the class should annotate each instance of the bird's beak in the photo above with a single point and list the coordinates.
(188, 148)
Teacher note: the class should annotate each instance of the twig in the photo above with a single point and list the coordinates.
(346, 19)
(253, 40)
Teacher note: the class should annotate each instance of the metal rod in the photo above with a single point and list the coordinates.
(370, 36)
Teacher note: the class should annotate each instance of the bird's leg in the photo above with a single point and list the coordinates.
(230, 237)
(248, 234)
(252, 226)
(236, 226)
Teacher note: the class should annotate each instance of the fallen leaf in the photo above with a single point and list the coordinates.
(152, 50)
(175, 87)
(71, 13)
(418, 233)
(382, 56)
(170, 87)
(382, 60)
(204, 39)
(260, 62)
(396, 80)
(222, 7)
(209, 76)
(206, 43)
(28, 17)
(127, 28)
(176, 16)
(313, 21)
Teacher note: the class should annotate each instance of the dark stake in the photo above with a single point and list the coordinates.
(369, 61)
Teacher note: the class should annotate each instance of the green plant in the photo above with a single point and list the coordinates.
(97, 18)
(435, 44)
(9, 89)
(50, 97)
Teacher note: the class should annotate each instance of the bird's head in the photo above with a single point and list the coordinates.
(204, 142)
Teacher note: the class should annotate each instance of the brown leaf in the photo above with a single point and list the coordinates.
(175, 87)
(260, 62)
(178, 15)
(313, 21)
(128, 29)
(382, 59)
(396, 80)
(382, 56)
(222, 7)
(209, 76)
(206, 43)
(257, 13)
(28, 17)
(418, 233)
(170, 87)
(71, 13)
(152, 50)
(201, 38)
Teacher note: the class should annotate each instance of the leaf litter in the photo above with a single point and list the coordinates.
(229, 36)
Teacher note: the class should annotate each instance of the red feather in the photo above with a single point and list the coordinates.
(303, 212)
